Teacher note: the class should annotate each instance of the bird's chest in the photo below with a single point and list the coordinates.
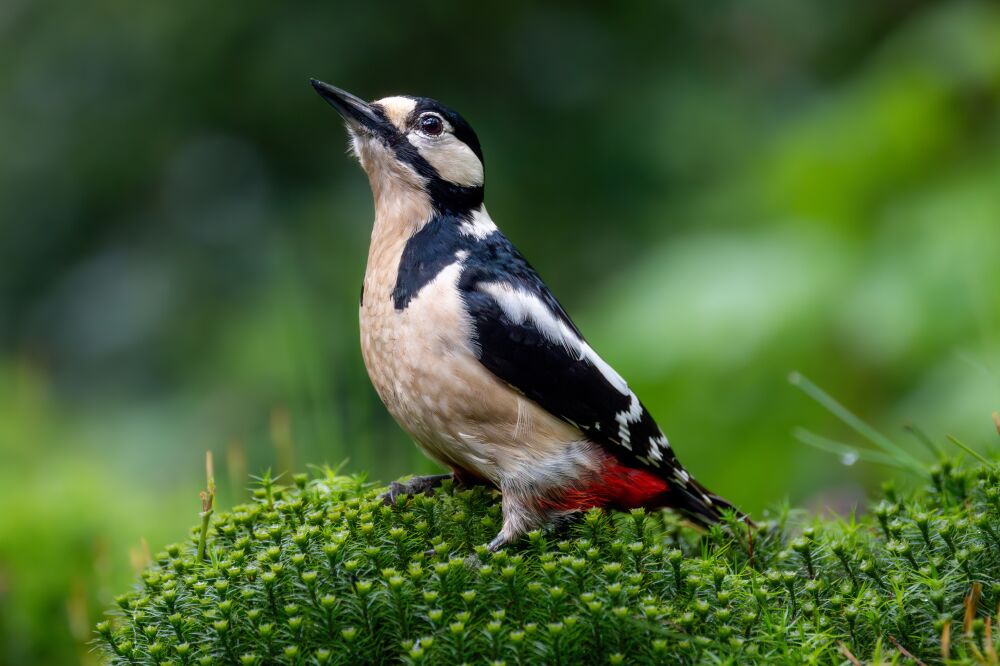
(418, 356)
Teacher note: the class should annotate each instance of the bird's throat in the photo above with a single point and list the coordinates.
(400, 212)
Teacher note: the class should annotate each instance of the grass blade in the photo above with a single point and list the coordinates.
(922, 437)
(968, 449)
(903, 456)
(841, 449)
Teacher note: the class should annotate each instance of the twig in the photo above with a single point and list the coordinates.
(906, 653)
(140, 556)
(946, 641)
(971, 602)
(991, 650)
(207, 504)
(847, 654)
(281, 437)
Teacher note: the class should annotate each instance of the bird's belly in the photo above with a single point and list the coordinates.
(423, 366)
(420, 361)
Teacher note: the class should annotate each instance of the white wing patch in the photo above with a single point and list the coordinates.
(631, 415)
(479, 225)
(656, 448)
(521, 306)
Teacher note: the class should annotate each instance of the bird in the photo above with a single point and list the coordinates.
(472, 354)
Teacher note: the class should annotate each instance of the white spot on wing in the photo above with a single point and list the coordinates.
(521, 306)
(624, 418)
(479, 225)
(656, 447)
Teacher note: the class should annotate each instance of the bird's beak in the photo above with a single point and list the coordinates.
(357, 112)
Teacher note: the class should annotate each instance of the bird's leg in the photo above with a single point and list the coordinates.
(414, 486)
(519, 518)
(426, 484)
(464, 479)
(499, 541)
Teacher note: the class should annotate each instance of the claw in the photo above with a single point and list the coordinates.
(415, 486)
(498, 542)
(390, 496)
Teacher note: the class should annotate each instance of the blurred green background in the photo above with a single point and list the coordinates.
(719, 192)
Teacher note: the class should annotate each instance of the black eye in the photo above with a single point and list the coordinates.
(431, 124)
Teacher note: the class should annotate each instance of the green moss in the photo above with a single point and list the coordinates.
(322, 572)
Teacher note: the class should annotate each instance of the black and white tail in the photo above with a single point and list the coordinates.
(700, 506)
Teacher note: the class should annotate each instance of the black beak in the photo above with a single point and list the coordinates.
(357, 112)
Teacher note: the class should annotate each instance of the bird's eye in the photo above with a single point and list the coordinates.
(431, 123)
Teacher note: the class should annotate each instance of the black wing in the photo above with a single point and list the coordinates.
(526, 339)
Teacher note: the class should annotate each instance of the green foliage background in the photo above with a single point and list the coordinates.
(720, 193)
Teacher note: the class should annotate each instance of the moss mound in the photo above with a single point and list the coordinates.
(323, 573)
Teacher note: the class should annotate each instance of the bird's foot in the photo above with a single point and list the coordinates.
(498, 542)
(474, 560)
(414, 486)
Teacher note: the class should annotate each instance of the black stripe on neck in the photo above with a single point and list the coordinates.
(450, 199)
(426, 254)
(447, 198)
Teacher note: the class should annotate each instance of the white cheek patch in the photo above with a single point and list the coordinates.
(520, 306)
(451, 158)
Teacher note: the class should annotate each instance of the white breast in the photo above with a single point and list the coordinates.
(423, 366)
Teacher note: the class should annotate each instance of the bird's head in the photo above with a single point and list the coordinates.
(413, 146)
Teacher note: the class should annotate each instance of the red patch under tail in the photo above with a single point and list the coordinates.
(617, 486)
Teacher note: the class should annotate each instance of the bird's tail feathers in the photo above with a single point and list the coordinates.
(704, 508)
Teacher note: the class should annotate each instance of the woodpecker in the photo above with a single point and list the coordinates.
(473, 355)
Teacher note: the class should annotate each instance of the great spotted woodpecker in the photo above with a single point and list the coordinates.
(474, 356)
